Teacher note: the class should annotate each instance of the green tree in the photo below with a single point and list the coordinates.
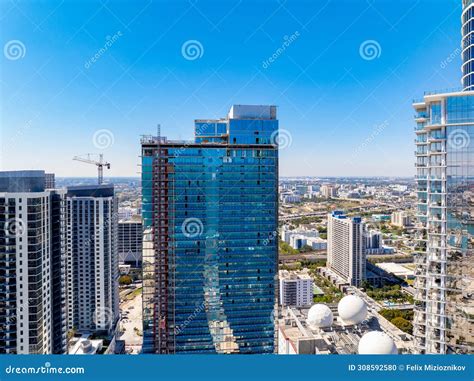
(402, 324)
(286, 248)
(125, 280)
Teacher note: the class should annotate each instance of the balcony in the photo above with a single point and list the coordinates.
(444, 91)
(419, 154)
(421, 116)
(436, 178)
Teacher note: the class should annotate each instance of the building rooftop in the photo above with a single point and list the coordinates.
(22, 181)
(340, 338)
(85, 346)
(104, 190)
(293, 275)
(252, 112)
(395, 269)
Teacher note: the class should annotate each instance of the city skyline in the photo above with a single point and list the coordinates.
(113, 80)
(280, 178)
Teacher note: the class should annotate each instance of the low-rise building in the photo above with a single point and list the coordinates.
(303, 235)
(296, 288)
(397, 269)
(317, 243)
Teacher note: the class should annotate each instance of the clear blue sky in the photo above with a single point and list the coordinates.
(346, 115)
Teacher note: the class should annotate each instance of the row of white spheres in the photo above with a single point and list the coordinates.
(352, 310)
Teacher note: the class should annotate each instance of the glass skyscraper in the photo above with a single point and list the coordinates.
(210, 236)
(444, 300)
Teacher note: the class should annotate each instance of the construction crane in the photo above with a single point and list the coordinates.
(88, 158)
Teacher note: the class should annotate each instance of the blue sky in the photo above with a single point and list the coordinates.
(346, 111)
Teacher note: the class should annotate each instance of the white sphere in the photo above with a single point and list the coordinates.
(319, 316)
(352, 309)
(377, 343)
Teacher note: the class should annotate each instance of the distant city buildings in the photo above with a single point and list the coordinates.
(49, 181)
(373, 239)
(210, 245)
(381, 217)
(400, 219)
(32, 263)
(328, 191)
(296, 288)
(444, 303)
(130, 240)
(296, 193)
(290, 198)
(374, 243)
(127, 213)
(92, 270)
(300, 238)
(346, 247)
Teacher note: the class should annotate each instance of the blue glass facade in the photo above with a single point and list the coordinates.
(210, 252)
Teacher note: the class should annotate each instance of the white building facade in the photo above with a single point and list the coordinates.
(296, 289)
(400, 219)
(32, 281)
(346, 247)
(92, 258)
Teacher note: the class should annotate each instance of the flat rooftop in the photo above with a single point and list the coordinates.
(22, 181)
(395, 268)
(103, 190)
(293, 275)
